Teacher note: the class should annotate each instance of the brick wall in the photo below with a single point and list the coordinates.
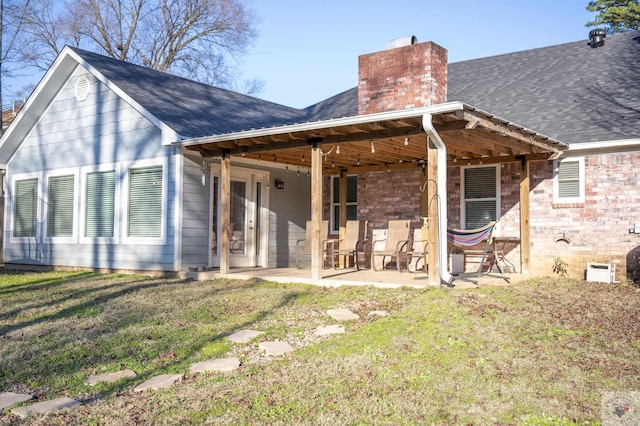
(597, 230)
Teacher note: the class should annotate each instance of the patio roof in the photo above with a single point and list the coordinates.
(385, 141)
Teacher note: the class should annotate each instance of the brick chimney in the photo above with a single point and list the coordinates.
(409, 76)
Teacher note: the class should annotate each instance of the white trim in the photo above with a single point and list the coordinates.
(116, 167)
(10, 209)
(581, 181)
(155, 162)
(76, 204)
(613, 146)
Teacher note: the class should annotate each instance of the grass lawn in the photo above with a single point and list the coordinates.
(540, 352)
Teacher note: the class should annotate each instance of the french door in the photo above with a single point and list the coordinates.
(249, 217)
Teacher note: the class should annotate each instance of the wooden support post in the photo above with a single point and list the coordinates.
(525, 231)
(225, 213)
(343, 212)
(316, 212)
(434, 242)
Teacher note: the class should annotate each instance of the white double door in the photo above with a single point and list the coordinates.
(249, 217)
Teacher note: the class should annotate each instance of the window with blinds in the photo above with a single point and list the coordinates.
(60, 206)
(100, 204)
(480, 196)
(145, 202)
(26, 208)
(569, 180)
(352, 201)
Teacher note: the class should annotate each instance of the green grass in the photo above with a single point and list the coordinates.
(541, 352)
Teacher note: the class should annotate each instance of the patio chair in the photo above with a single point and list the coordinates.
(419, 250)
(352, 244)
(465, 239)
(304, 246)
(396, 242)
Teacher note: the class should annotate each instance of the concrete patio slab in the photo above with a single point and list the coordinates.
(325, 330)
(276, 348)
(342, 315)
(111, 377)
(45, 407)
(244, 336)
(7, 399)
(159, 382)
(222, 365)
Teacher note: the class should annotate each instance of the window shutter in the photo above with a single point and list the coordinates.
(60, 206)
(101, 189)
(569, 179)
(26, 208)
(145, 202)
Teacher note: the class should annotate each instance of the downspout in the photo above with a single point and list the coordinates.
(427, 125)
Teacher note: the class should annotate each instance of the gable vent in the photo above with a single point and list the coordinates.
(82, 88)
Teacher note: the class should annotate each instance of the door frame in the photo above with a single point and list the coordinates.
(261, 240)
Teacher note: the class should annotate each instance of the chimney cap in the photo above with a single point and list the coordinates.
(401, 42)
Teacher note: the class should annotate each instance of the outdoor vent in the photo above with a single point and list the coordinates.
(82, 88)
(597, 37)
(401, 42)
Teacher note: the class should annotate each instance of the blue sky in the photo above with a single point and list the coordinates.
(307, 50)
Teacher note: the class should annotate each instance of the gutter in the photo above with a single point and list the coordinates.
(441, 192)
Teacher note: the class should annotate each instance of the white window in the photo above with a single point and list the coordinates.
(61, 206)
(352, 201)
(100, 196)
(144, 217)
(25, 208)
(480, 200)
(568, 180)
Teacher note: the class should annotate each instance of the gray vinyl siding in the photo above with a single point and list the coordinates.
(76, 136)
(195, 214)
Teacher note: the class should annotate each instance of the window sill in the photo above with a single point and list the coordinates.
(567, 205)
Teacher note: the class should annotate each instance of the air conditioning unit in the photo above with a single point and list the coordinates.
(601, 272)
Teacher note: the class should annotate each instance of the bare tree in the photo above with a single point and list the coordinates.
(198, 39)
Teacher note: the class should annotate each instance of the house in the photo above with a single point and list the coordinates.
(111, 166)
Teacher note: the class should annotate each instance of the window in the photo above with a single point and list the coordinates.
(145, 202)
(60, 206)
(26, 208)
(352, 201)
(480, 196)
(568, 181)
(100, 204)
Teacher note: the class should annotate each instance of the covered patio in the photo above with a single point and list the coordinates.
(430, 138)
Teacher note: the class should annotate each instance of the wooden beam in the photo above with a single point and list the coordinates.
(525, 230)
(225, 214)
(433, 257)
(316, 212)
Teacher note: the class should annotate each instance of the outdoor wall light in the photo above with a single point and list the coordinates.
(279, 184)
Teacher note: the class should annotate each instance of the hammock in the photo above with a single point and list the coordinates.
(465, 238)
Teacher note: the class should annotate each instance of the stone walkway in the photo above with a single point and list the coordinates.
(221, 365)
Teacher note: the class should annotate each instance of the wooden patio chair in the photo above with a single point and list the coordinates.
(466, 239)
(352, 244)
(304, 246)
(395, 244)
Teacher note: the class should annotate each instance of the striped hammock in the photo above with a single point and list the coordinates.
(470, 237)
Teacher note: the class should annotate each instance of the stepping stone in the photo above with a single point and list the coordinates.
(111, 377)
(378, 314)
(244, 336)
(45, 407)
(325, 330)
(159, 382)
(222, 365)
(7, 399)
(275, 348)
(342, 314)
